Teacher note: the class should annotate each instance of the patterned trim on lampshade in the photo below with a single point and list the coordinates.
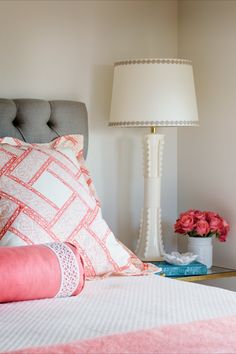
(162, 123)
(154, 61)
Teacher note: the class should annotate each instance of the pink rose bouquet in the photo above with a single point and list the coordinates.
(196, 223)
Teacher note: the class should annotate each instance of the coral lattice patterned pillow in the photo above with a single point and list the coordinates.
(46, 195)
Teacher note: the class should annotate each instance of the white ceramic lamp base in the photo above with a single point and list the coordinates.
(150, 245)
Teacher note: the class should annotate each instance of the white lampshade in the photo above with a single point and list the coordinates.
(153, 92)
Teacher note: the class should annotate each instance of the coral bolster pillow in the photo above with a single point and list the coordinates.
(47, 195)
(40, 271)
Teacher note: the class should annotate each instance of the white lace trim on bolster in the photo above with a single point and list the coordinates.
(70, 275)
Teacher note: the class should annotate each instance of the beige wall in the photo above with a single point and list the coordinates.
(206, 167)
(65, 49)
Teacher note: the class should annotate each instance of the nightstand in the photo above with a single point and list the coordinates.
(213, 273)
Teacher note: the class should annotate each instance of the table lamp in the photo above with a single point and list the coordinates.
(153, 93)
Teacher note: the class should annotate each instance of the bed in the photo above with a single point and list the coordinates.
(113, 314)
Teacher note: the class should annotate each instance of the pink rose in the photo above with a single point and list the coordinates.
(187, 222)
(222, 238)
(199, 215)
(202, 227)
(225, 225)
(223, 231)
(178, 227)
(210, 215)
(215, 224)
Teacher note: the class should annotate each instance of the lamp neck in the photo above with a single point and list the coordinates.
(153, 130)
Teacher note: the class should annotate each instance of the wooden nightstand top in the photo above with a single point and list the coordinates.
(213, 273)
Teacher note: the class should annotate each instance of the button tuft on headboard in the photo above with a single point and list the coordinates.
(15, 122)
(49, 124)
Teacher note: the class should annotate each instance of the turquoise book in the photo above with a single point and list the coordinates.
(172, 270)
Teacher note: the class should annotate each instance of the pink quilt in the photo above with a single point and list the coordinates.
(201, 337)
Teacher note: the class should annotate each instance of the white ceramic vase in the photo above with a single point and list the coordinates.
(202, 246)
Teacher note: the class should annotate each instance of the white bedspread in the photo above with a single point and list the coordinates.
(110, 306)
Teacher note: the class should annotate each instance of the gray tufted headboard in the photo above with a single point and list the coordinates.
(39, 121)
